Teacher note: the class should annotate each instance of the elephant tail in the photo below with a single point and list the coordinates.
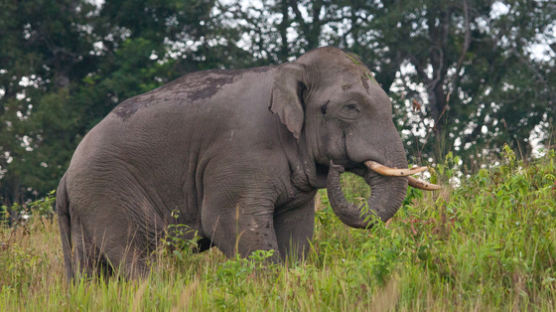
(62, 208)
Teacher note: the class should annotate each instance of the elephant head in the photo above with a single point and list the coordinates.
(333, 106)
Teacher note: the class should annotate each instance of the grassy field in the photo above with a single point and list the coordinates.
(487, 245)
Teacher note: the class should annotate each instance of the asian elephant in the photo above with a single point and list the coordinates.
(237, 157)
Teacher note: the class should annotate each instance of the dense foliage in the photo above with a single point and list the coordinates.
(443, 251)
(461, 73)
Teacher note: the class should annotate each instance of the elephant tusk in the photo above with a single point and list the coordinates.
(416, 183)
(394, 172)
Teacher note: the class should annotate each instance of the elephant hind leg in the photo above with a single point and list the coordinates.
(86, 258)
(127, 253)
(89, 262)
(129, 264)
(108, 254)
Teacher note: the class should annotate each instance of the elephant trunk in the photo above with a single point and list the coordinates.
(387, 195)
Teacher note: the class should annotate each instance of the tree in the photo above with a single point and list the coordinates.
(41, 45)
(466, 61)
(460, 72)
(66, 64)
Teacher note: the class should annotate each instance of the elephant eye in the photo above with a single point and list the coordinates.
(351, 107)
(349, 111)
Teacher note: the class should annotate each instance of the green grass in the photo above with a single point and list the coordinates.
(488, 245)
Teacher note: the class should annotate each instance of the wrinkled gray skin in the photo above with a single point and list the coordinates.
(236, 155)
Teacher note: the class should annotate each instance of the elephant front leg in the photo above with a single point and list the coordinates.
(240, 228)
(294, 230)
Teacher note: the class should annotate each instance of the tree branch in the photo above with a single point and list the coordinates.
(299, 17)
(464, 48)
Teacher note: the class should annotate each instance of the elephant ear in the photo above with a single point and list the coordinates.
(286, 99)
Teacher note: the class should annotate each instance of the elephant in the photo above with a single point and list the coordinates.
(236, 156)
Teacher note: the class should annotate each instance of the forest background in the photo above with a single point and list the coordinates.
(465, 76)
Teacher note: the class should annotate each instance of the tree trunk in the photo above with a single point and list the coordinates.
(283, 28)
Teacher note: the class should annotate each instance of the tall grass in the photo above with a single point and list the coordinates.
(487, 245)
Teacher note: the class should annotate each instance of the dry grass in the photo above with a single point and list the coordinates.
(487, 246)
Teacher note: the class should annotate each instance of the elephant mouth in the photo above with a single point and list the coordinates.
(388, 190)
(395, 172)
